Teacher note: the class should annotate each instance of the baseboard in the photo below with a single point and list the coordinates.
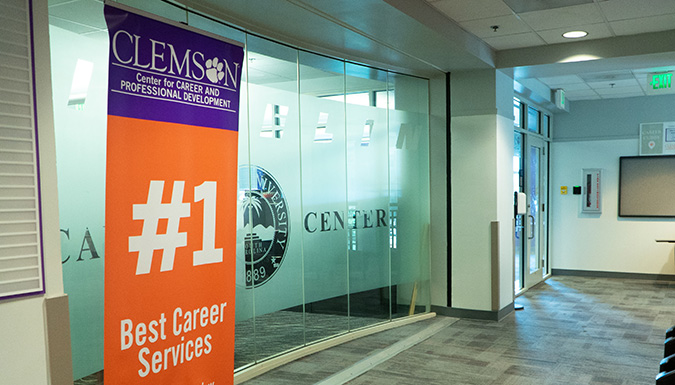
(486, 315)
(613, 274)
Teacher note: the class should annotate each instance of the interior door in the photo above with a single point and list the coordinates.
(536, 182)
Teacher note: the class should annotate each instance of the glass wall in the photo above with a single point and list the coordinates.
(324, 195)
(333, 202)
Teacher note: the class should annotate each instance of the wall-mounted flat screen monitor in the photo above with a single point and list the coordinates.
(647, 186)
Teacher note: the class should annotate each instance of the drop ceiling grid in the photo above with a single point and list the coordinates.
(574, 16)
(522, 30)
(467, 10)
(521, 40)
(595, 31)
(582, 95)
(619, 92)
(615, 10)
(603, 85)
(602, 19)
(508, 25)
(644, 24)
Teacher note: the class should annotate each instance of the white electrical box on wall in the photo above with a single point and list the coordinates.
(591, 196)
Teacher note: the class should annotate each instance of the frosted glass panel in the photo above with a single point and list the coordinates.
(409, 193)
(324, 195)
(368, 201)
(80, 132)
(274, 256)
(244, 331)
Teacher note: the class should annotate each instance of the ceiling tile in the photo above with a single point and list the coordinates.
(581, 95)
(653, 70)
(563, 17)
(607, 76)
(558, 81)
(573, 87)
(644, 25)
(623, 95)
(463, 10)
(520, 40)
(630, 9)
(595, 97)
(521, 6)
(595, 31)
(614, 84)
(609, 92)
(508, 25)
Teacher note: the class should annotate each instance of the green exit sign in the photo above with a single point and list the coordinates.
(661, 81)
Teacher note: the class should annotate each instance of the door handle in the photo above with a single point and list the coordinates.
(531, 227)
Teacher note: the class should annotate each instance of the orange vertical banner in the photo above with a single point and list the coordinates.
(170, 203)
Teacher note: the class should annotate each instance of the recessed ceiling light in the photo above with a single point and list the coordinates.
(575, 34)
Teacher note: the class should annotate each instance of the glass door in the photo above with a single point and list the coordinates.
(536, 182)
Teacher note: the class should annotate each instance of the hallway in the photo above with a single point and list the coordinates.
(573, 330)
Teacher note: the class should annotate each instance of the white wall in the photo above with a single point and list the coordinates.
(482, 192)
(594, 135)
(474, 189)
(23, 352)
(612, 118)
(602, 242)
(482, 189)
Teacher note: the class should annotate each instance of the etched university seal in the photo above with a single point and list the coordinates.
(263, 216)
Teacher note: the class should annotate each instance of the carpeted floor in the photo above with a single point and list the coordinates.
(572, 331)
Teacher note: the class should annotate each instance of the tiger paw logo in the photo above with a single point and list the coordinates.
(214, 70)
(262, 225)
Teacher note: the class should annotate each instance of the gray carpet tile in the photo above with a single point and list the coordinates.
(573, 330)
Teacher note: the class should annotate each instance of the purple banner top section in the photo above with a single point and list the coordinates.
(166, 73)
